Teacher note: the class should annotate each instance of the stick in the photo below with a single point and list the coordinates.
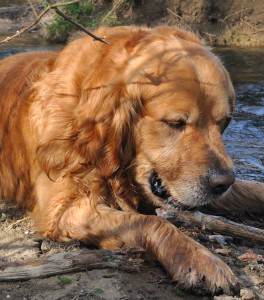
(17, 222)
(32, 8)
(67, 262)
(182, 22)
(214, 223)
(43, 13)
(97, 38)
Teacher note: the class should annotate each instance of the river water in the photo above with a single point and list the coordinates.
(244, 138)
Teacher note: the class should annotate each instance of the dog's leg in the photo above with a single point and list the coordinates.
(244, 197)
(68, 215)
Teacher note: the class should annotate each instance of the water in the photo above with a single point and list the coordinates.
(244, 138)
(14, 48)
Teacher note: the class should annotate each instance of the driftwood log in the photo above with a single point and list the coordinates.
(67, 262)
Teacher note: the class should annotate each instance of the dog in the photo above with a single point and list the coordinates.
(94, 134)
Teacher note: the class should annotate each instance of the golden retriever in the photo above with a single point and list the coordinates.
(92, 134)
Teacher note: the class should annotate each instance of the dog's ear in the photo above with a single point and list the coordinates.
(109, 106)
(90, 117)
(100, 135)
(106, 118)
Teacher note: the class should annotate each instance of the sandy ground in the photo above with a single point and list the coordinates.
(19, 243)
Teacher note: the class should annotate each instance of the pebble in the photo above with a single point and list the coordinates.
(223, 251)
(225, 298)
(3, 217)
(220, 239)
(247, 294)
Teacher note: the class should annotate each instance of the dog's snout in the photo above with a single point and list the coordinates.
(219, 183)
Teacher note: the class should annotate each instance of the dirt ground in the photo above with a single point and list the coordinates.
(219, 22)
(19, 243)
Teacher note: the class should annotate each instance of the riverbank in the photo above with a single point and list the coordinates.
(219, 22)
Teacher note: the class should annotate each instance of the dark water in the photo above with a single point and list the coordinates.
(244, 138)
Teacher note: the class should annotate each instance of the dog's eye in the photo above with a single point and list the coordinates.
(175, 124)
(224, 123)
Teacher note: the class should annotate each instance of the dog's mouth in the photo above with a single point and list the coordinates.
(159, 189)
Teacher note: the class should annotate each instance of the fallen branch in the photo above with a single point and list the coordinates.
(59, 12)
(67, 262)
(214, 223)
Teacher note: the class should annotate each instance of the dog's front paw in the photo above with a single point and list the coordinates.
(204, 273)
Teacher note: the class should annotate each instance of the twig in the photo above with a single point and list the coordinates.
(97, 38)
(116, 5)
(17, 222)
(67, 262)
(32, 8)
(210, 37)
(214, 223)
(174, 14)
(59, 12)
(182, 22)
(235, 13)
(258, 31)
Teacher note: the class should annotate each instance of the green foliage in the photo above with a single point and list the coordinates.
(86, 14)
(98, 291)
(64, 280)
(79, 9)
(179, 292)
(59, 29)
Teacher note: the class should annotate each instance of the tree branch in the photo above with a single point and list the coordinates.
(59, 12)
(32, 8)
(213, 223)
(67, 262)
(97, 38)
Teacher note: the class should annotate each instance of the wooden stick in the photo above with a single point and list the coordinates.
(67, 262)
(70, 20)
(214, 223)
(32, 8)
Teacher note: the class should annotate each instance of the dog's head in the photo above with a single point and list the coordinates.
(188, 101)
(154, 99)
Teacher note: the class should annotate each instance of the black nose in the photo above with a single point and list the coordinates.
(220, 183)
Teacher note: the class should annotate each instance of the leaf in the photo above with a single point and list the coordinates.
(98, 291)
(64, 279)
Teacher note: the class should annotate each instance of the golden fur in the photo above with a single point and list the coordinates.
(83, 130)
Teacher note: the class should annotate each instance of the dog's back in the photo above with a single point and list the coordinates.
(16, 76)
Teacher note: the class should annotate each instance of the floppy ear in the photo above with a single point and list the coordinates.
(87, 108)
(106, 117)
(94, 131)
(100, 135)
